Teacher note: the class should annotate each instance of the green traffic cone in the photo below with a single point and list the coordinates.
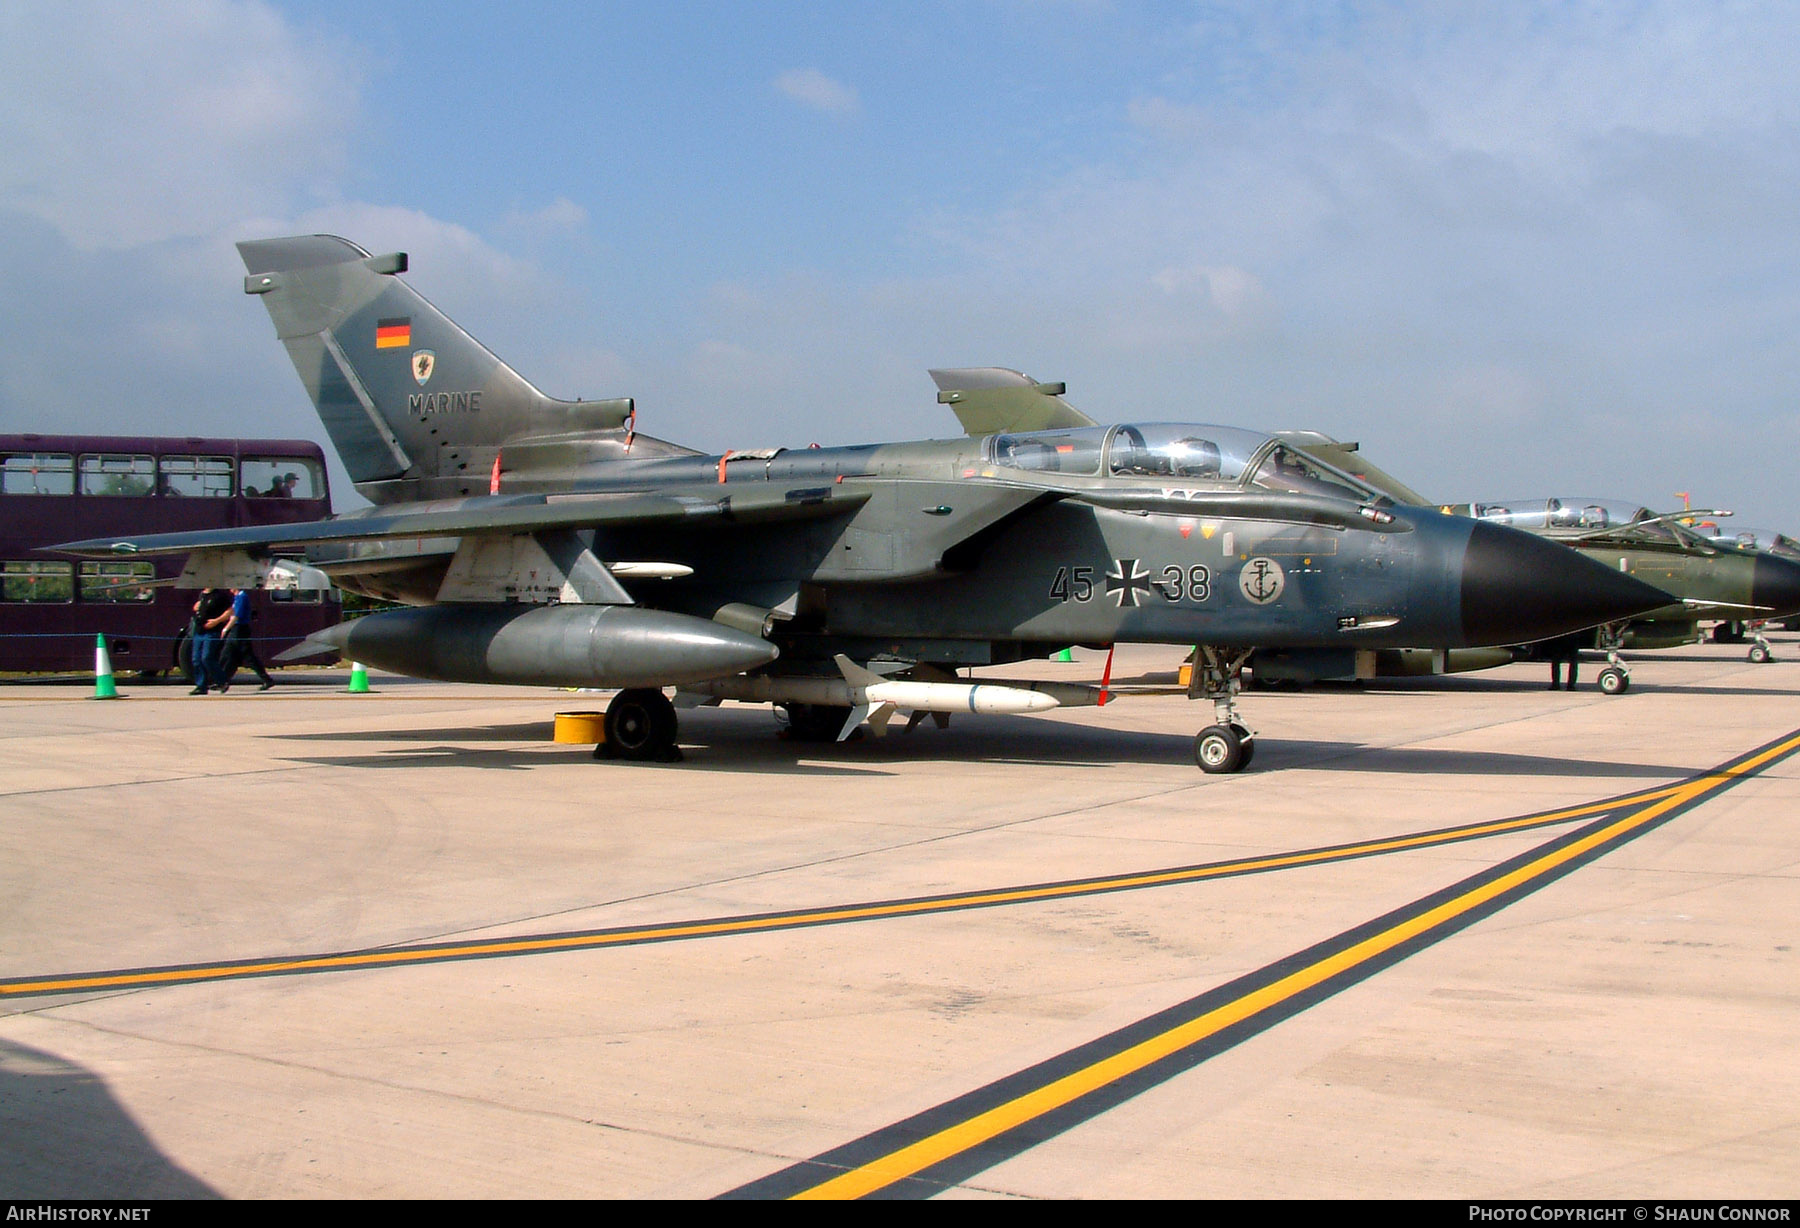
(1067, 654)
(104, 688)
(359, 679)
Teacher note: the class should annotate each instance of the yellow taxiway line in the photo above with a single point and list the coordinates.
(952, 1135)
(388, 957)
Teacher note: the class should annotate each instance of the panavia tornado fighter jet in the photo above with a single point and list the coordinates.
(546, 542)
(1707, 577)
(1765, 541)
(1742, 578)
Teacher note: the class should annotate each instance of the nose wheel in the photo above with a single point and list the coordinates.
(1760, 652)
(1224, 748)
(1615, 678)
(1227, 745)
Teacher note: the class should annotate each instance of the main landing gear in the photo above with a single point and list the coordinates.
(641, 725)
(1735, 633)
(1228, 745)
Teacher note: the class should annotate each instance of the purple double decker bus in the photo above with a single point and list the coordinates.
(59, 488)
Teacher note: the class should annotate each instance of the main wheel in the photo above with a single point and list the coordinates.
(1760, 654)
(641, 724)
(184, 656)
(1614, 681)
(1218, 749)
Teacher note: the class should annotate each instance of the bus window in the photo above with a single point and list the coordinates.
(202, 477)
(117, 581)
(282, 477)
(37, 473)
(51, 608)
(37, 582)
(116, 475)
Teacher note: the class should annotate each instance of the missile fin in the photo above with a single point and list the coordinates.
(879, 717)
(855, 674)
(856, 718)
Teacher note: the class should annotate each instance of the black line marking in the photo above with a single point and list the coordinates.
(812, 1176)
(790, 919)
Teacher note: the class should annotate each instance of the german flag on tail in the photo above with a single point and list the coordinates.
(393, 334)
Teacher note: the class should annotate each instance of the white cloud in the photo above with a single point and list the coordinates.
(1232, 291)
(131, 123)
(1494, 233)
(1510, 249)
(560, 216)
(812, 88)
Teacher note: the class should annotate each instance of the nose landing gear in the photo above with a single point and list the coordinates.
(1615, 678)
(1229, 744)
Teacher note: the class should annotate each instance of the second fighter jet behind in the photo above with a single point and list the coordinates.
(547, 542)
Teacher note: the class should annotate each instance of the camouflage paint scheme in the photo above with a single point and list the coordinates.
(533, 529)
(1711, 578)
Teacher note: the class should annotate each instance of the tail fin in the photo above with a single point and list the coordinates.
(416, 407)
(987, 400)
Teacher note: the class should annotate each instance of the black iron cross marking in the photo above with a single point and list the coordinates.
(1125, 581)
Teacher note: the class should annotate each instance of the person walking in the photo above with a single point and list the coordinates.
(239, 648)
(210, 615)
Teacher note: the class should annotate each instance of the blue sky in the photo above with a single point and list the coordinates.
(1514, 249)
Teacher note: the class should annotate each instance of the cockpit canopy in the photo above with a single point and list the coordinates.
(1179, 451)
(1562, 513)
(1592, 517)
(1750, 539)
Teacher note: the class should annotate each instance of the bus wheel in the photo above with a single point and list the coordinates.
(184, 656)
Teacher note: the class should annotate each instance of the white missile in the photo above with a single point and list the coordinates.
(871, 697)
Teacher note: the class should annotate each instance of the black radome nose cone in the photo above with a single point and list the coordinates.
(1518, 588)
(1775, 583)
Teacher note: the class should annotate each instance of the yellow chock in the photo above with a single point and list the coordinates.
(359, 679)
(1067, 654)
(104, 687)
(588, 728)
